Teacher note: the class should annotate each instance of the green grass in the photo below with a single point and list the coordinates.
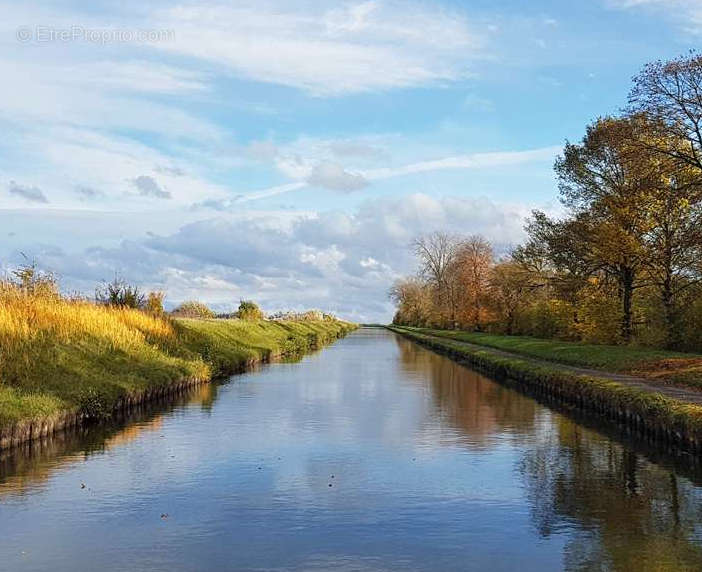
(228, 344)
(664, 366)
(50, 374)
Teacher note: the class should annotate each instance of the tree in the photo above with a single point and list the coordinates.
(34, 282)
(413, 299)
(607, 182)
(558, 256)
(473, 260)
(154, 303)
(670, 95)
(437, 255)
(674, 241)
(510, 284)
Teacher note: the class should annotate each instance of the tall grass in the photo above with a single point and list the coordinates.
(59, 354)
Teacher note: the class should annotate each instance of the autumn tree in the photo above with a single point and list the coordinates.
(674, 242)
(669, 96)
(473, 263)
(413, 300)
(606, 181)
(510, 284)
(559, 256)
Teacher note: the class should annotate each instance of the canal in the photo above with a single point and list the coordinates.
(372, 454)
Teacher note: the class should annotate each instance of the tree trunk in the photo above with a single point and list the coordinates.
(510, 322)
(671, 334)
(476, 313)
(627, 286)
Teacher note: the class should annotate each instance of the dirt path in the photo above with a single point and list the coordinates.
(646, 385)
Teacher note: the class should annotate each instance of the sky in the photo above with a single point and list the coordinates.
(288, 152)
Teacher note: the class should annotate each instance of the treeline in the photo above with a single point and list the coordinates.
(624, 264)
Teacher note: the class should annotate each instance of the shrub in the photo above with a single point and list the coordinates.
(193, 309)
(249, 310)
(119, 293)
(154, 303)
(31, 281)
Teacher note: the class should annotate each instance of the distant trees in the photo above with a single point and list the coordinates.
(626, 259)
(414, 300)
(450, 285)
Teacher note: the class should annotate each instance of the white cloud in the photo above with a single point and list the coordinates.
(327, 50)
(333, 176)
(470, 161)
(343, 262)
(330, 175)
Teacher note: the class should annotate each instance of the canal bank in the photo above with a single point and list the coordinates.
(666, 414)
(207, 349)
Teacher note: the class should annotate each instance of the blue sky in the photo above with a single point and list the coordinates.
(289, 151)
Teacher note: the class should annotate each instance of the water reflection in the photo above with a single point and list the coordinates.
(374, 454)
(631, 514)
(23, 469)
(628, 513)
(482, 409)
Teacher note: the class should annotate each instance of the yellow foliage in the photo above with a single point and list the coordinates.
(599, 317)
(25, 317)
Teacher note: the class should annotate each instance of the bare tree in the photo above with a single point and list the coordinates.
(437, 255)
(670, 95)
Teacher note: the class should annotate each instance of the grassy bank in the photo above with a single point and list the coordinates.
(60, 357)
(649, 413)
(661, 365)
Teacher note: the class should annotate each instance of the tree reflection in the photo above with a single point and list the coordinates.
(624, 512)
(467, 400)
(618, 510)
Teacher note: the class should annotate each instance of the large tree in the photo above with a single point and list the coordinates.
(606, 181)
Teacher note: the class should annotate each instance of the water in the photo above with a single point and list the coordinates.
(431, 467)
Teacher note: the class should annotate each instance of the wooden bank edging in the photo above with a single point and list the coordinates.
(31, 429)
(653, 416)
